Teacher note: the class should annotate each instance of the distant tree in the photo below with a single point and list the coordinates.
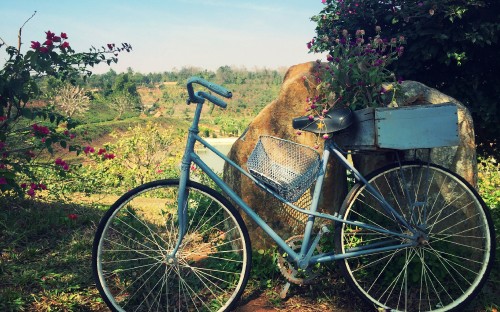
(72, 100)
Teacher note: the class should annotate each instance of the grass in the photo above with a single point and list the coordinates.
(45, 263)
(45, 257)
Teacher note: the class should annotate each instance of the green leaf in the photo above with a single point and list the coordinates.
(63, 144)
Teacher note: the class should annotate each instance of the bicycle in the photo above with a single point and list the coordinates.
(411, 236)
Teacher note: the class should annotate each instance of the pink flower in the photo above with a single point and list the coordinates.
(72, 136)
(299, 132)
(72, 216)
(35, 45)
(42, 130)
(31, 192)
(325, 136)
(50, 35)
(65, 167)
(56, 39)
(311, 117)
(159, 171)
(101, 151)
(48, 43)
(23, 185)
(109, 156)
(43, 50)
(42, 186)
(3, 181)
(88, 149)
(64, 45)
(64, 36)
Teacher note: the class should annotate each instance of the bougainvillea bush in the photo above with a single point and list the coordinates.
(29, 128)
(452, 46)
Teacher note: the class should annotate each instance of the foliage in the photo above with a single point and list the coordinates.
(72, 100)
(143, 153)
(28, 128)
(489, 181)
(453, 46)
(356, 74)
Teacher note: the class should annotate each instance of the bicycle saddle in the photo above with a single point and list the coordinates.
(337, 119)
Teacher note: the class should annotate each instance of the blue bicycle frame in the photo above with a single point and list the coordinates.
(304, 257)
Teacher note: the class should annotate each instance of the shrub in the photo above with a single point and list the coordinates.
(452, 46)
(28, 128)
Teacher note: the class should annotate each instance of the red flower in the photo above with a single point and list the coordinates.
(35, 45)
(42, 130)
(56, 39)
(88, 149)
(23, 185)
(65, 167)
(43, 50)
(72, 136)
(72, 216)
(31, 192)
(109, 156)
(101, 151)
(64, 36)
(64, 45)
(42, 186)
(3, 180)
(48, 43)
(50, 35)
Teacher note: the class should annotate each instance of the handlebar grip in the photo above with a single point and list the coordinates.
(211, 86)
(211, 98)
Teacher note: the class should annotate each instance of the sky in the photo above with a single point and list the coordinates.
(171, 34)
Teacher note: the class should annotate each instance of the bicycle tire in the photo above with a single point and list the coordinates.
(134, 237)
(445, 271)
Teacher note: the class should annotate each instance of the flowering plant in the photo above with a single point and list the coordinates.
(356, 73)
(28, 128)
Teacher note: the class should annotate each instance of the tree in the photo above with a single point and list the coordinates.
(452, 45)
(27, 128)
(72, 100)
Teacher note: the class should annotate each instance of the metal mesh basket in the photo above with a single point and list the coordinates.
(289, 168)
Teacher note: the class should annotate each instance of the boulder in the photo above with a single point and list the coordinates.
(276, 120)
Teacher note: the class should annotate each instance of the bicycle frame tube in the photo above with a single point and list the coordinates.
(304, 257)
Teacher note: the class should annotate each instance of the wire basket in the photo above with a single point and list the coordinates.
(287, 167)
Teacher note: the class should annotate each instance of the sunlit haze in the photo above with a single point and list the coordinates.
(171, 34)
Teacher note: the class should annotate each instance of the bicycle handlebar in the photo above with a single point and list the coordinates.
(200, 96)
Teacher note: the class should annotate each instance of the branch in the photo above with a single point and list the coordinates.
(19, 34)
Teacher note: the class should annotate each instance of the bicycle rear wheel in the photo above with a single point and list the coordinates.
(131, 263)
(453, 258)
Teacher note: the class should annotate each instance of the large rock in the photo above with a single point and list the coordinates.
(276, 120)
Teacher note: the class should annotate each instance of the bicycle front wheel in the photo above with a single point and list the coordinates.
(454, 254)
(132, 263)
